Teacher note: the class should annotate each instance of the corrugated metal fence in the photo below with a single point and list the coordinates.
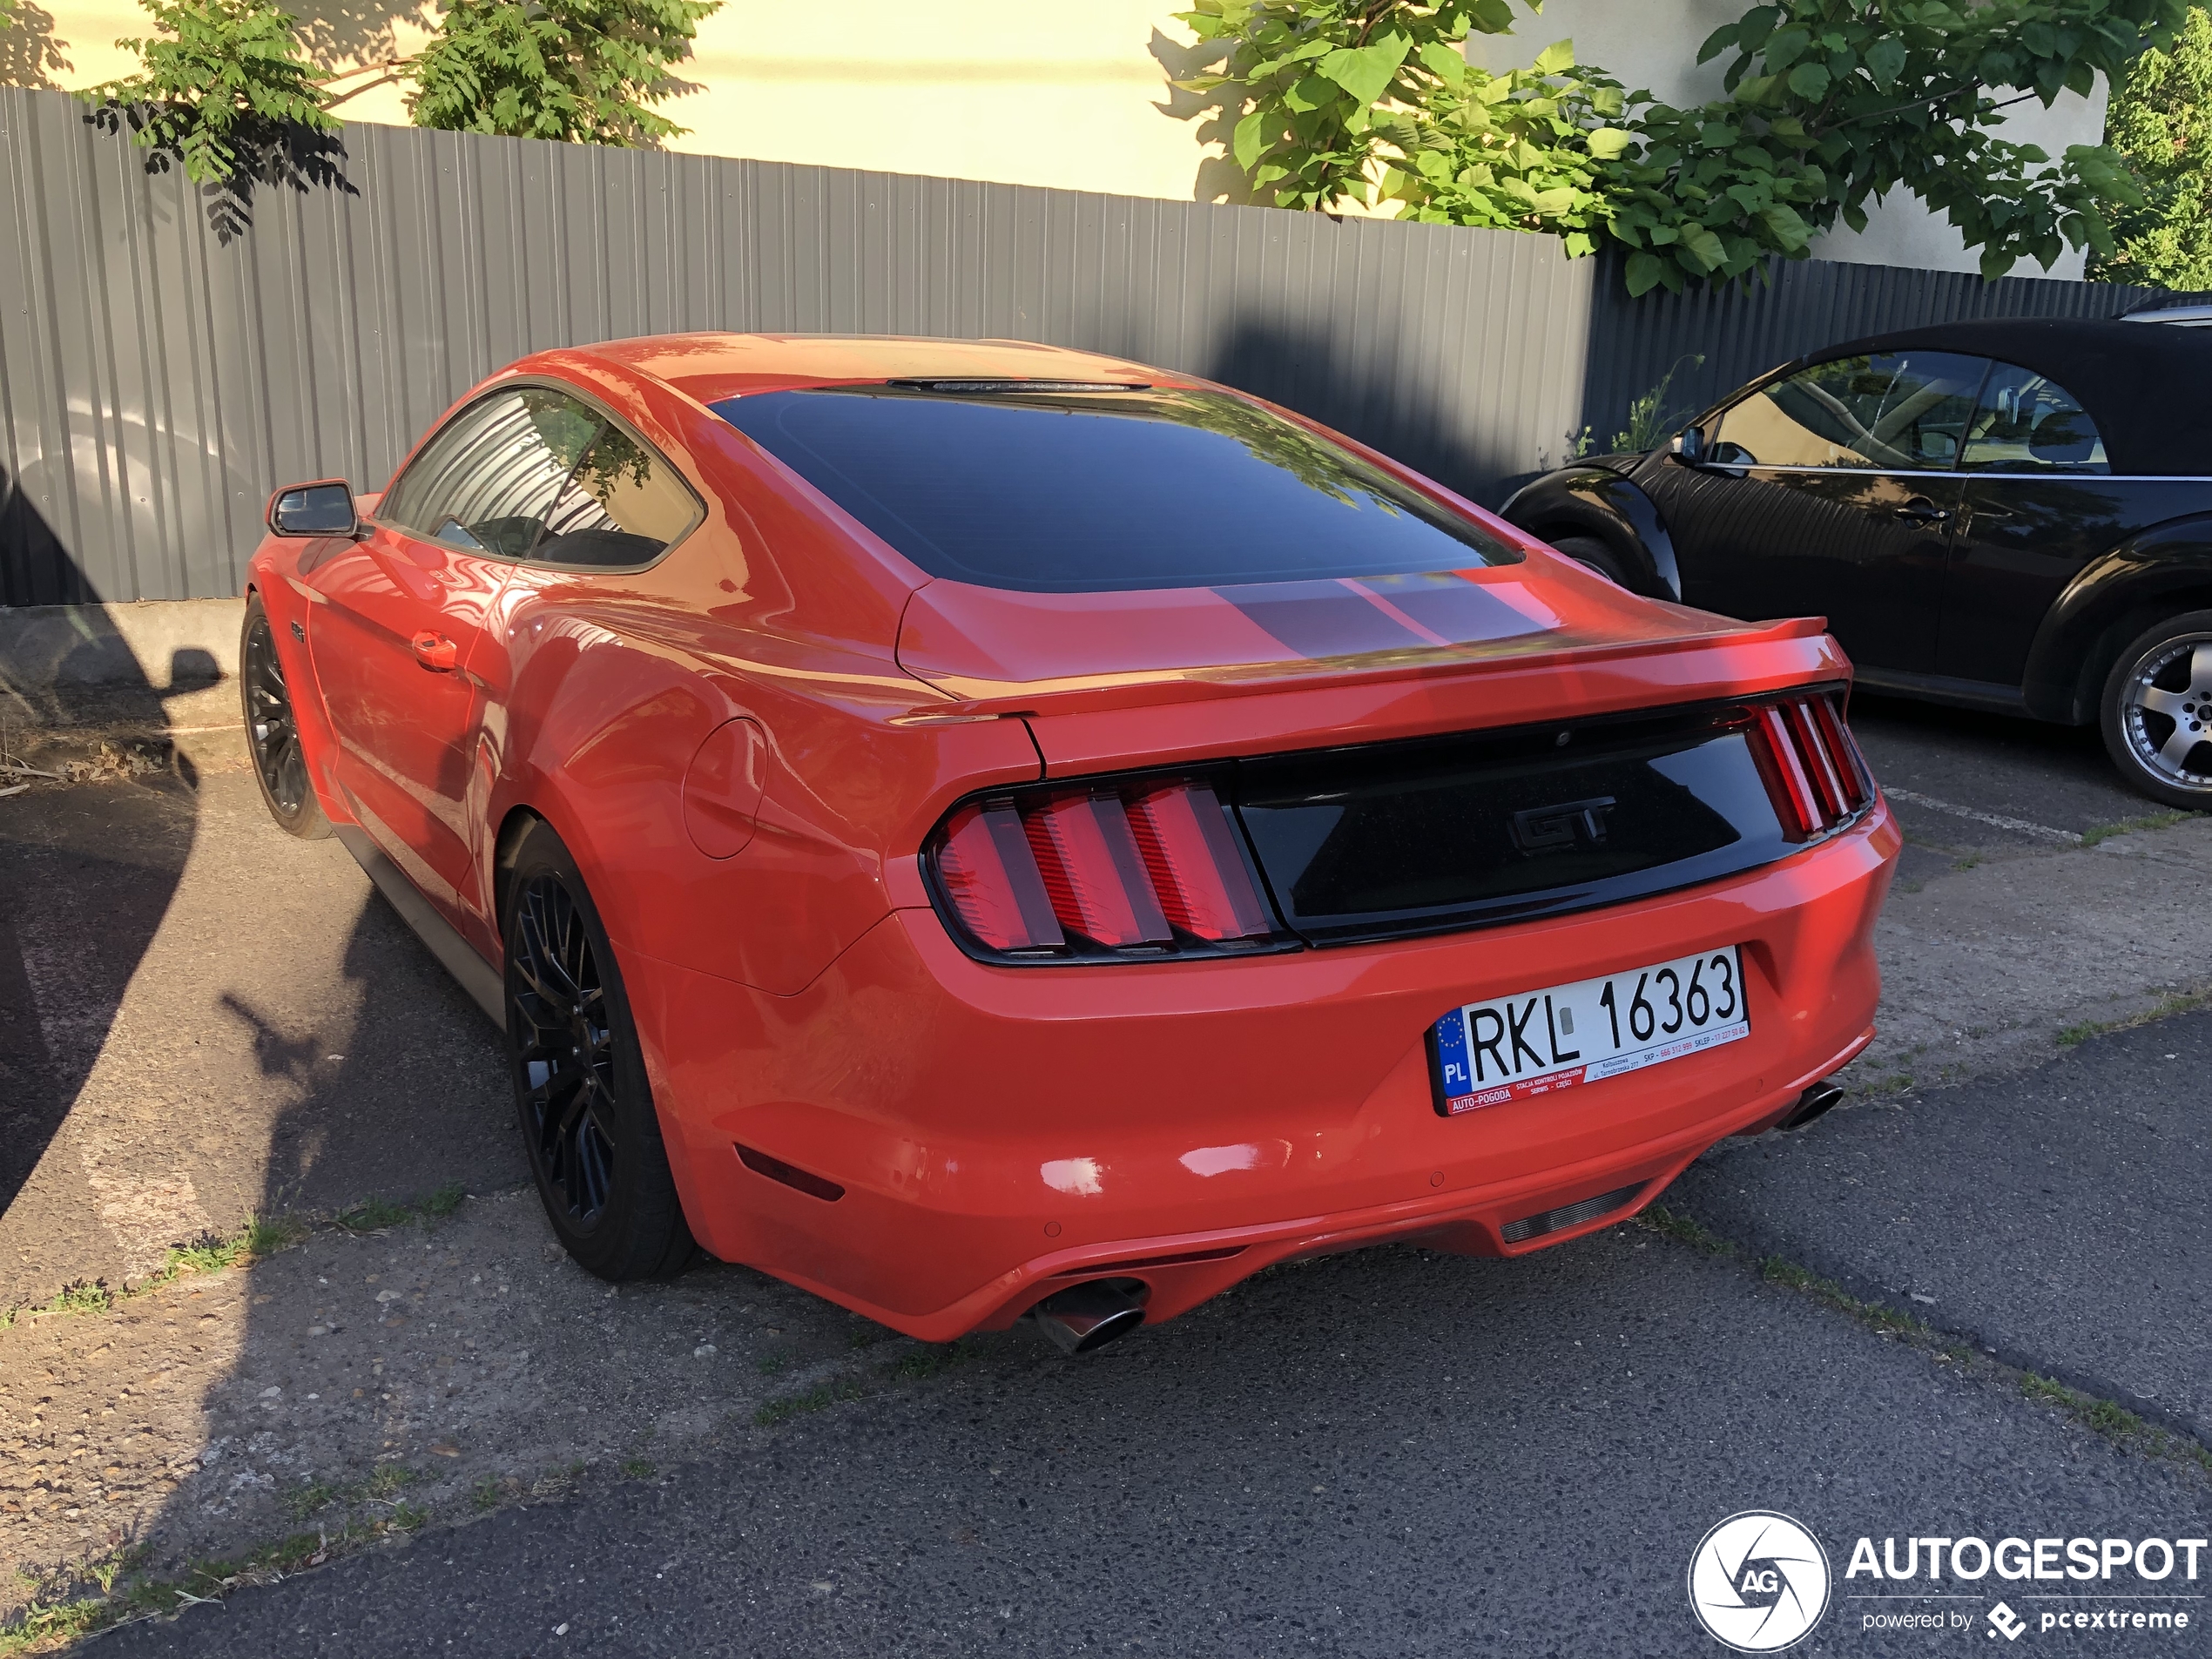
(157, 381)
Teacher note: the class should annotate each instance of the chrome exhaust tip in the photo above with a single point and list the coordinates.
(1086, 1317)
(1816, 1102)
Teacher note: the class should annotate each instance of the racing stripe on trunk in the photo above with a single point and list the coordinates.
(1350, 617)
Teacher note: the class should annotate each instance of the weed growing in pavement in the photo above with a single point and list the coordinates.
(380, 1214)
(1877, 1316)
(486, 1493)
(209, 1253)
(774, 1363)
(931, 1359)
(372, 1215)
(821, 1397)
(639, 1468)
(2173, 1002)
(2101, 833)
(1684, 1229)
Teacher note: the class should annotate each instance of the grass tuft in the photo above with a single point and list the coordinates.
(2101, 833)
(817, 1398)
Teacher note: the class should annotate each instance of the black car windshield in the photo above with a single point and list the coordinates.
(1054, 490)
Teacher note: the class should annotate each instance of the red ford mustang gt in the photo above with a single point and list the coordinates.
(976, 829)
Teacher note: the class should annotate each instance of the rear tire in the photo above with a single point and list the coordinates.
(273, 731)
(2156, 711)
(1593, 554)
(581, 1093)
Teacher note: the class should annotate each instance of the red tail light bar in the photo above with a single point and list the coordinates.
(1153, 867)
(1137, 869)
(1811, 764)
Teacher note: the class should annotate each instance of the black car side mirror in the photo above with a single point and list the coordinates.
(325, 508)
(1689, 446)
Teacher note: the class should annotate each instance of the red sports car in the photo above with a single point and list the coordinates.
(975, 829)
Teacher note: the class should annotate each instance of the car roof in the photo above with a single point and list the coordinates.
(712, 366)
(2124, 375)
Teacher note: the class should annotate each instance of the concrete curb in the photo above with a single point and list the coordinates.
(162, 646)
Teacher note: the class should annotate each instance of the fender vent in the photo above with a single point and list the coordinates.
(1572, 1215)
(789, 1174)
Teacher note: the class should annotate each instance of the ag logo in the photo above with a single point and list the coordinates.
(1758, 1581)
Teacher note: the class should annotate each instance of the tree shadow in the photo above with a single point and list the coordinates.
(1213, 116)
(1397, 404)
(30, 54)
(339, 34)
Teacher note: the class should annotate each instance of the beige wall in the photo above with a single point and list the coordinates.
(1070, 93)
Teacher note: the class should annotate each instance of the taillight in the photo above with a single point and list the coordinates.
(1811, 764)
(1143, 869)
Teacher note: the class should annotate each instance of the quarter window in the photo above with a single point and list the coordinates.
(533, 472)
(1892, 412)
(2026, 423)
(622, 505)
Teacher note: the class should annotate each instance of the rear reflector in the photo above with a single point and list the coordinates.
(1145, 868)
(789, 1174)
(1812, 764)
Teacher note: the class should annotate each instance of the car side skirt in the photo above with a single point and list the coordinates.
(477, 977)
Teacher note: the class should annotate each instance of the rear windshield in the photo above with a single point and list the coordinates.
(1059, 491)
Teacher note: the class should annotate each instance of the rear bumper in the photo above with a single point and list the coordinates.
(999, 1131)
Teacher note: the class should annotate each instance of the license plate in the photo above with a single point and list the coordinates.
(1538, 1042)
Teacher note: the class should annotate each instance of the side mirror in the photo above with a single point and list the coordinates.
(1689, 446)
(325, 508)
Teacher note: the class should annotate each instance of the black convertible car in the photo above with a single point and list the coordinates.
(2013, 515)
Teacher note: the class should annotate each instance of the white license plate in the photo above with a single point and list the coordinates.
(1539, 1041)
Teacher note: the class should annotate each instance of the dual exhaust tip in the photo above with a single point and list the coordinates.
(1086, 1316)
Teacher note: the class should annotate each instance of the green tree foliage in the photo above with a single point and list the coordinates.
(578, 69)
(1827, 106)
(2160, 126)
(1317, 73)
(224, 89)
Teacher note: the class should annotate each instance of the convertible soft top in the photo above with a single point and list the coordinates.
(2127, 375)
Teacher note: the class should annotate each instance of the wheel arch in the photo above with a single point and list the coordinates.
(1598, 502)
(2159, 572)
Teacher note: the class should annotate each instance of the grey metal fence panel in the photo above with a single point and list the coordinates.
(1805, 305)
(157, 381)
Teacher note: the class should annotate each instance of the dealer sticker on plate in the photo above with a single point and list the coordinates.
(1539, 1041)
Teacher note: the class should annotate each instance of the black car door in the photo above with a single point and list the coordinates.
(2039, 502)
(1831, 493)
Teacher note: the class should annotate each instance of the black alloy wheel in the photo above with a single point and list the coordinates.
(564, 1052)
(583, 1101)
(273, 731)
(2157, 711)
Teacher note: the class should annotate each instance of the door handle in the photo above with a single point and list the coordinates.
(1922, 511)
(436, 652)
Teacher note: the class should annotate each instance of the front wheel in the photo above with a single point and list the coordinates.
(1593, 556)
(2156, 711)
(273, 731)
(580, 1087)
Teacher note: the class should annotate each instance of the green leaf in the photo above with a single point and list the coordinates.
(1718, 42)
(1444, 63)
(1248, 141)
(1785, 47)
(1810, 81)
(1643, 273)
(1365, 72)
(1884, 57)
(1608, 143)
(1703, 247)
(1557, 59)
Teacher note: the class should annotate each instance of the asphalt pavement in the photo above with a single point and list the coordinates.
(1390, 1451)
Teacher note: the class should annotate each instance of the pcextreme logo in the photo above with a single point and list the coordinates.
(1758, 1581)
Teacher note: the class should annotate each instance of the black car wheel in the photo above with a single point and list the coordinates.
(585, 1106)
(272, 732)
(1593, 554)
(2157, 711)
